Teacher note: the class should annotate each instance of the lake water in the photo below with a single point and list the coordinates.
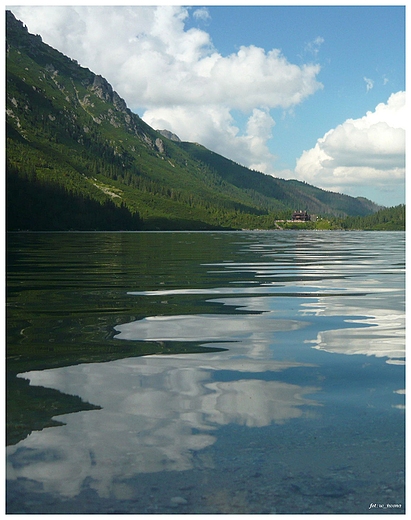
(207, 373)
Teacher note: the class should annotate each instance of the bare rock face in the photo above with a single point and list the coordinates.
(102, 88)
(119, 102)
(169, 135)
(159, 145)
(120, 114)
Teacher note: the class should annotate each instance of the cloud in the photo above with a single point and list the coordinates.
(175, 78)
(313, 47)
(369, 82)
(215, 128)
(368, 152)
(202, 14)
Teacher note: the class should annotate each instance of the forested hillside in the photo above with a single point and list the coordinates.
(389, 219)
(78, 158)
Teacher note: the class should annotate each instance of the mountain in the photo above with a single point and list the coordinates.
(169, 135)
(79, 158)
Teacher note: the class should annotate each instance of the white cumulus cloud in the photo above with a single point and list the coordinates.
(368, 152)
(175, 78)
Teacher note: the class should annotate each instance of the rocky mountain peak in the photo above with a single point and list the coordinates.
(169, 135)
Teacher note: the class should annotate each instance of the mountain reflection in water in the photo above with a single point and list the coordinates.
(312, 355)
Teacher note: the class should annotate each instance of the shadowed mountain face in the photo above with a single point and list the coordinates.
(78, 158)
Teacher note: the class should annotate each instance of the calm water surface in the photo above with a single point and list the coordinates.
(175, 373)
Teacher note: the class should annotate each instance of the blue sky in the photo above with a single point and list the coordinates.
(313, 93)
(358, 42)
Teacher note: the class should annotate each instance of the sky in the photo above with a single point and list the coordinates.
(314, 93)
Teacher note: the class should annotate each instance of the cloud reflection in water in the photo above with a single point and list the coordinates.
(157, 412)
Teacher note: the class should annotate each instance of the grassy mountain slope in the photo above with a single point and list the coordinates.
(78, 158)
(291, 193)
